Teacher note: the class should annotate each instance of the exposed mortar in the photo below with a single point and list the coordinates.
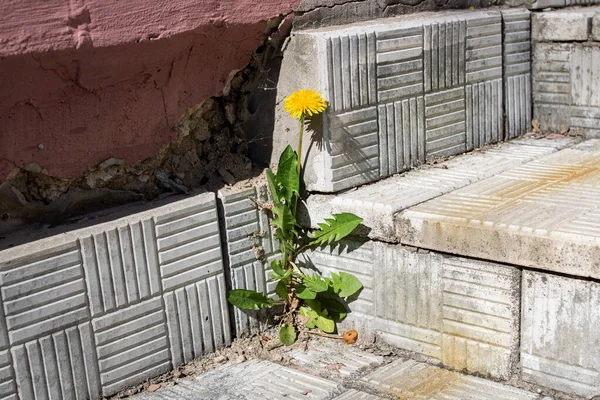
(211, 150)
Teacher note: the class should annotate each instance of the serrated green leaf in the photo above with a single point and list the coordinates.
(304, 293)
(349, 284)
(287, 334)
(287, 174)
(336, 282)
(334, 229)
(277, 267)
(281, 290)
(314, 305)
(315, 283)
(249, 299)
(272, 181)
(284, 220)
(334, 308)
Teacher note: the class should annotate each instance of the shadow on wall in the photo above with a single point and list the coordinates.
(82, 120)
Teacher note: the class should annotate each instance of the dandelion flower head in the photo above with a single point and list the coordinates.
(304, 103)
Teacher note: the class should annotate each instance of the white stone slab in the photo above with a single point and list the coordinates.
(357, 395)
(412, 381)
(378, 203)
(400, 91)
(252, 380)
(560, 333)
(544, 214)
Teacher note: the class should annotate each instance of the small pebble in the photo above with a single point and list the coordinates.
(220, 359)
(240, 360)
(154, 387)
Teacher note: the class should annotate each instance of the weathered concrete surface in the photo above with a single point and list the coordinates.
(116, 303)
(595, 34)
(540, 4)
(565, 72)
(461, 312)
(544, 214)
(412, 380)
(379, 202)
(560, 335)
(254, 379)
(401, 91)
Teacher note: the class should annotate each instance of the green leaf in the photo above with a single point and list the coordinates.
(304, 293)
(281, 290)
(325, 324)
(334, 308)
(273, 186)
(349, 284)
(315, 283)
(334, 229)
(287, 334)
(311, 315)
(249, 299)
(287, 174)
(284, 220)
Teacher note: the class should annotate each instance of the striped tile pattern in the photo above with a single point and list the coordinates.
(585, 80)
(399, 64)
(484, 49)
(355, 150)
(61, 365)
(517, 71)
(560, 333)
(92, 311)
(351, 71)
(250, 246)
(198, 319)
(445, 123)
(121, 266)
(444, 55)
(189, 245)
(401, 135)
(132, 345)
(44, 294)
(484, 113)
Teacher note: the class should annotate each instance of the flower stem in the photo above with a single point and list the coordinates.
(300, 144)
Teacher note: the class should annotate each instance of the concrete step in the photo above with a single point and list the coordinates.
(544, 214)
(405, 90)
(378, 203)
(364, 379)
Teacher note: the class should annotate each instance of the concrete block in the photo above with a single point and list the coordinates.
(560, 333)
(131, 345)
(8, 388)
(249, 249)
(596, 27)
(464, 313)
(560, 26)
(413, 380)
(550, 204)
(43, 292)
(396, 91)
(585, 80)
(255, 379)
(59, 364)
(517, 71)
(188, 242)
(198, 319)
(121, 266)
(378, 203)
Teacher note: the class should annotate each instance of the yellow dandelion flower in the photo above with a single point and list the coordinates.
(304, 103)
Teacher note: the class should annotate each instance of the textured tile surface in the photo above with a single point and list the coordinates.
(560, 333)
(250, 248)
(412, 380)
(357, 395)
(377, 203)
(401, 91)
(92, 311)
(517, 71)
(250, 380)
(552, 203)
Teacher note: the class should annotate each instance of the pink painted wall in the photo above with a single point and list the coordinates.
(86, 80)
